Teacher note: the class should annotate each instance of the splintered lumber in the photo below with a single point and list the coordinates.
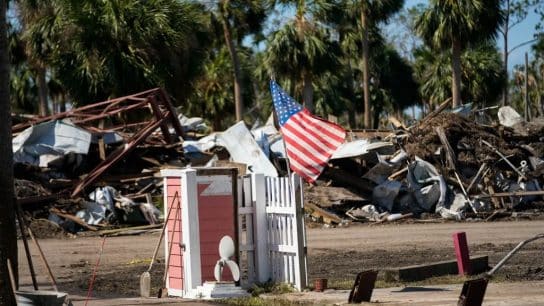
(327, 196)
(450, 155)
(505, 159)
(321, 213)
(511, 194)
(433, 114)
(72, 218)
(44, 260)
(396, 123)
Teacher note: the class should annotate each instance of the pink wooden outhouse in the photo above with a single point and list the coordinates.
(197, 221)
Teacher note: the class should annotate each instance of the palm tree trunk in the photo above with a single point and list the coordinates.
(377, 111)
(350, 105)
(308, 92)
(239, 104)
(8, 238)
(505, 52)
(42, 92)
(456, 73)
(366, 88)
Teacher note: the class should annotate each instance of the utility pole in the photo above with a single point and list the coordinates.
(527, 112)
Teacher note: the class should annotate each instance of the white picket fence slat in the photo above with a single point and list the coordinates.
(272, 243)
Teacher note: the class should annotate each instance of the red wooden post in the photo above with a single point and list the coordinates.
(462, 254)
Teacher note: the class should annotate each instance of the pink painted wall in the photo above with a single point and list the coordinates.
(216, 219)
(175, 266)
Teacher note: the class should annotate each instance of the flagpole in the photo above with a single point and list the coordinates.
(276, 121)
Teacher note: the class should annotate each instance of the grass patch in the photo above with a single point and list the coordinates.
(269, 287)
(258, 301)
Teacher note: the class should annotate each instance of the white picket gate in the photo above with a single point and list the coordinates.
(272, 240)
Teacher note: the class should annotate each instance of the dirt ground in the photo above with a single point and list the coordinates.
(334, 253)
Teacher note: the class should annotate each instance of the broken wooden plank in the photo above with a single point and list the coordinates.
(510, 194)
(395, 175)
(423, 122)
(397, 123)
(450, 155)
(328, 196)
(75, 219)
(318, 212)
(505, 159)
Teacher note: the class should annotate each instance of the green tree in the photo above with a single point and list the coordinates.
(371, 12)
(301, 51)
(238, 19)
(213, 93)
(453, 25)
(99, 49)
(482, 74)
(8, 232)
(515, 12)
(357, 24)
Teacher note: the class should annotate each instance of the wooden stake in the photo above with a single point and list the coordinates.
(44, 260)
(22, 227)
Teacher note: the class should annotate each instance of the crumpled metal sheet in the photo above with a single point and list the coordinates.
(384, 194)
(429, 188)
(244, 149)
(508, 116)
(360, 147)
(50, 138)
(384, 168)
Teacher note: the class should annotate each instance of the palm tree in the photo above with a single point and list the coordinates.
(300, 51)
(356, 22)
(454, 25)
(371, 12)
(238, 19)
(213, 89)
(482, 75)
(99, 49)
(8, 236)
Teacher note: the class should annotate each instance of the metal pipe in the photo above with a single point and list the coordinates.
(509, 255)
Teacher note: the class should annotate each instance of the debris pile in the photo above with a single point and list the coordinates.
(447, 165)
(98, 165)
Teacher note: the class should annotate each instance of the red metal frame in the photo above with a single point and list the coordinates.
(155, 101)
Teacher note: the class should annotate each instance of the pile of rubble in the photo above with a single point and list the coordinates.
(446, 165)
(98, 166)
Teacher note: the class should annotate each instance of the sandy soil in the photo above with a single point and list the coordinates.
(336, 253)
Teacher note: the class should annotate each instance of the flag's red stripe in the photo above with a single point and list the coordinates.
(292, 128)
(302, 163)
(300, 147)
(320, 125)
(318, 130)
(317, 137)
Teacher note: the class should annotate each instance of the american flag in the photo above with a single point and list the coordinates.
(310, 141)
